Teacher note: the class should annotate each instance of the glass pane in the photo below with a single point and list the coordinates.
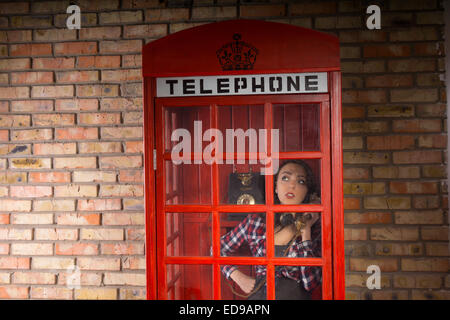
(241, 184)
(299, 126)
(243, 234)
(189, 282)
(185, 123)
(188, 183)
(245, 285)
(298, 283)
(188, 234)
(243, 137)
(297, 182)
(298, 235)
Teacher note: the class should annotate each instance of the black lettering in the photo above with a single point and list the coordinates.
(202, 89)
(171, 83)
(242, 86)
(271, 84)
(189, 86)
(257, 86)
(311, 81)
(223, 85)
(291, 83)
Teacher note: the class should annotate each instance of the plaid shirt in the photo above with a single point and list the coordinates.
(253, 231)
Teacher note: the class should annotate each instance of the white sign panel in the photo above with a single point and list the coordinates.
(283, 83)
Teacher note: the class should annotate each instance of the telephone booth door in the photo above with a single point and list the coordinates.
(217, 131)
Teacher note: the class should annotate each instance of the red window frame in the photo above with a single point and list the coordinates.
(215, 208)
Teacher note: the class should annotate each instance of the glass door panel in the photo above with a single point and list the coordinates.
(298, 125)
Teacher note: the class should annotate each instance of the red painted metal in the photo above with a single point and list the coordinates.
(282, 48)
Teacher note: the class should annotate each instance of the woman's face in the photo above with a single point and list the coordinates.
(291, 184)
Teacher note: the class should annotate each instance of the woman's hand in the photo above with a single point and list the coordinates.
(245, 282)
(305, 232)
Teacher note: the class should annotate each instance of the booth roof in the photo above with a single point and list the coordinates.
(277, 48)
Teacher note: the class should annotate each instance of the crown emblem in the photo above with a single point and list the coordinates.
(237, 55)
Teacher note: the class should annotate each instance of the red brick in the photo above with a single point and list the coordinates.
(76, 76)
(99, 62)
(103, 90)
(99, 118)
(53, 63)
(76, 133)
(413, 187)
(99, 205)
(30, 191)
(31, 105)
(134, 147)
(54, 148)
(417, 157)
(364, 96)
(55, 35)
(53, 177)
(69, 48)
(122, 248)
(374, 51)
(121, 46)
(121, 75)
(390, 142)
(100, 33)
(14, 263)
(145, 31)
(53, 120)
(14, 92)
(31, 77)
(132, 61)
(52, 91)
(76, 105)
(15, 64)
(76, 249)
(367, 217)
(33, 249)
(34, 49)
(131, 176)
(416, 125)
(51, 293)
(11, 292)
(120, 162)
(78, 219)
(7, 8)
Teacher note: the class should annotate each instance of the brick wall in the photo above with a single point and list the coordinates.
(71, 171)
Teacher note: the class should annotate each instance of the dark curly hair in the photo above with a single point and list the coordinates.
(310, 183)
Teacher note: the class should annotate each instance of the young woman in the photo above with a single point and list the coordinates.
(294, 184)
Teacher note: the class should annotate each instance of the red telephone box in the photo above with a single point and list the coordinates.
(225, 105)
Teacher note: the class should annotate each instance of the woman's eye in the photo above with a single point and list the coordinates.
(284, 178)
(301, 181)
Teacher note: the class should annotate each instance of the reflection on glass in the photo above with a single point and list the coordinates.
(188, 234)
(299, 126)
(189, 282)
(183, 121)
(188, 183)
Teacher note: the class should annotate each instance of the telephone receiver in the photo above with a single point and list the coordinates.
(299, 219)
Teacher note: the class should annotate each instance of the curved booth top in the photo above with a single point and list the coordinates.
(239, 47)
